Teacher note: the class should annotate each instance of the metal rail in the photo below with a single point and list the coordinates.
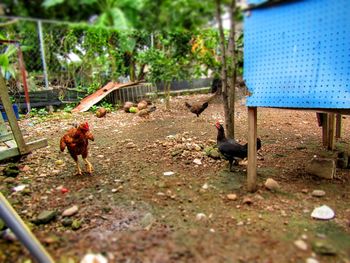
(22, 232)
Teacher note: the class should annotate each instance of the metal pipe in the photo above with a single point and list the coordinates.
(42, 51)
(22, 232)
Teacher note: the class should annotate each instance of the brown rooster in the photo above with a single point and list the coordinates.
(77, 140)
(198, 107)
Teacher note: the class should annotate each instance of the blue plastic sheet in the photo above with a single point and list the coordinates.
(297, 54)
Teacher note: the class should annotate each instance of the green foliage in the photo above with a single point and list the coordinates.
(35, 112)
(68, 108)
(103, 104)
(6, 65)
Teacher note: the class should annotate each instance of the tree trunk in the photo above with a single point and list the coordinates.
(232, 69)
(226, 83)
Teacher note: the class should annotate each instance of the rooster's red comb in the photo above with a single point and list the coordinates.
(85, 126)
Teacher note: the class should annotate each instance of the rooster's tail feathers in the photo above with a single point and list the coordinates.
(62, 144)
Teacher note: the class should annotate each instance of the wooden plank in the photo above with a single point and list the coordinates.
(92, 99)
(12, 152)
(6, 137)
(11, 143)
(3, 128)
(37, 144)
(338, 126)
(331, 131)
(252, 150)
(5, 98)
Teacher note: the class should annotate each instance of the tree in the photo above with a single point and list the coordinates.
(228, 65)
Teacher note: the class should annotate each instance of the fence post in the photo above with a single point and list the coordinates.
(41, 41)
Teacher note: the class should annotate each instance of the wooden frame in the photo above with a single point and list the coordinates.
(17, 145)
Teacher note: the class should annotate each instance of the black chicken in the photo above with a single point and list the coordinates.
(197, 108)
(230, 149)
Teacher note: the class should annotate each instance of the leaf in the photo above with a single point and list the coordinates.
(51, 3)
(4, 61)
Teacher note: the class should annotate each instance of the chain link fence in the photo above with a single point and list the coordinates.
(63, 56)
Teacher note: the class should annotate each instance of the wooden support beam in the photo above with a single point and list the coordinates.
(6, 102)
(325, 136)
(252, 150)
(338, 126)
(331, 131)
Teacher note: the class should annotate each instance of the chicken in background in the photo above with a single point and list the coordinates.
(198, 107)
(77, 140)
(145, 112)
(231, 149)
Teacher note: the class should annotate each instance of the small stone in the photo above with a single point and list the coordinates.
(168, 173)
(76, 224)
(45, 217)
(205, 186)
(311, 260)
(323, 212)
(66, 221)
(130, 145)
(19, 188)
(323, 248)
(70, 211)
(304, 191)
(232, 197)
(247, 200)
(301, 244)
(271, 184)
(94, 258)
(147, 221)
(59, 162)
(322, 167)
(318, 193)
(240, 223)
(201, 216)
(197, 161)
(9, 235)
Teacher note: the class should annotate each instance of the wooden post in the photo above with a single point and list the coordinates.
(252, 150)
(325, 135)
(338, 126)
(331, 131)
(5, 98)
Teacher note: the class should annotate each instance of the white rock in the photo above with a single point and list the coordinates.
(271, 184)
(94, 258)
(200, 216)
(231, 197)
(197, 161)
(70, 211)
(323, 212)
(205, 186)
(301, 244)
(318, 193)
(311, 260)
(168, 173)
(19, 188)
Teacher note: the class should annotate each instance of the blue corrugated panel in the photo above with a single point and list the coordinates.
(298, 55)
(257, 2)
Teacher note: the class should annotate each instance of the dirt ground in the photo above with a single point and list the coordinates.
(130, 211)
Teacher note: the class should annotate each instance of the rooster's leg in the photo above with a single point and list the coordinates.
(230, 162)
(89, 167)
(78, 168)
